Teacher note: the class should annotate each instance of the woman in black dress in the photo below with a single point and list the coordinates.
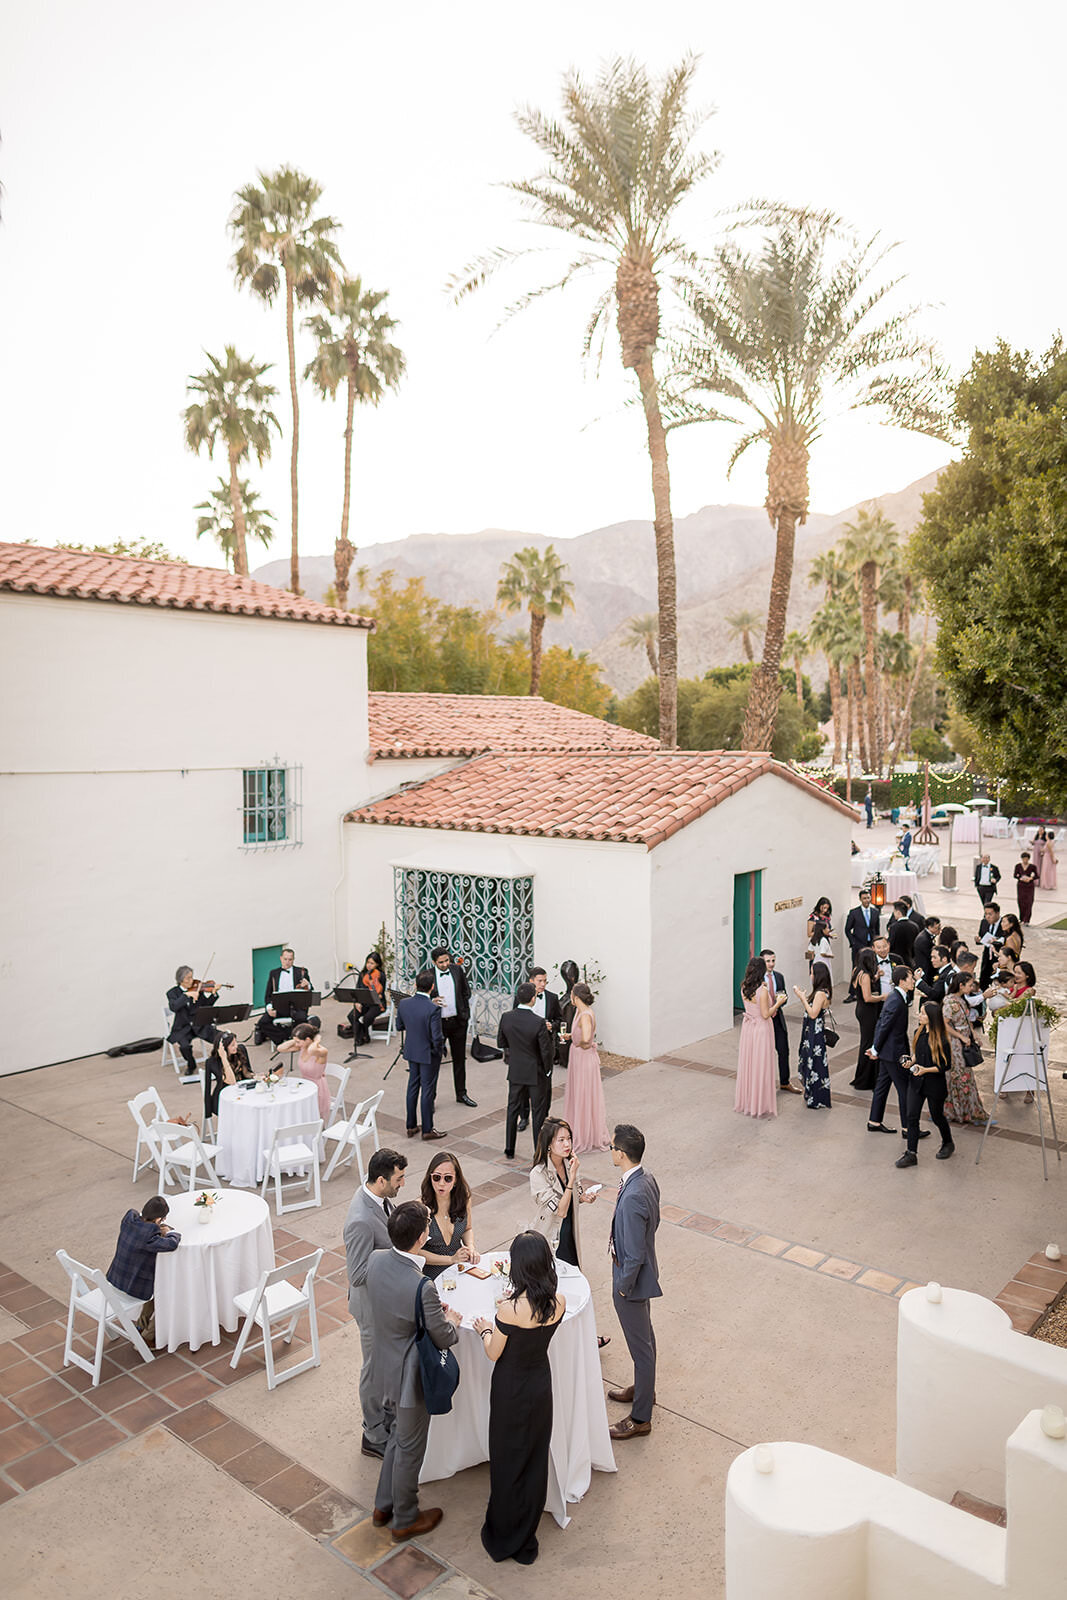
(520, 1403)
(447, 1197)
(228, 1063)
(867, 984)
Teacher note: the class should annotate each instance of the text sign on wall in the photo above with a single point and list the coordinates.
(788, 905)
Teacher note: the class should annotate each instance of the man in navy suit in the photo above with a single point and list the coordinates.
(862, 925)
(424, 1045)
(635, 1276)
(889, 1045)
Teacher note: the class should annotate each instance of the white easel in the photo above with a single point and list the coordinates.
(1032, 1073)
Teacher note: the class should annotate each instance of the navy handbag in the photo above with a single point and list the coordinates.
(439, 1368)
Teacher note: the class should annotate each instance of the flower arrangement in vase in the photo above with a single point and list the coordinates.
(204, 1205)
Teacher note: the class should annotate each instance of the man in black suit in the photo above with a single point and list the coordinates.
(986, 878)
(281, 980)
(184, 1000)
(452, 993)
(528, 1049)
(902, 933)
(775, 987)
(914, 915)
(546, 1005)
(889, 1045)
(424, 1045)
(989, 939)
(924, 944)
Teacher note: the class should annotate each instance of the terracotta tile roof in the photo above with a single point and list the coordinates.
(471, 724)
(636, 798)
(74, 575)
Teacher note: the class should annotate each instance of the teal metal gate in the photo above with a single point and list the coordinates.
(487, 921)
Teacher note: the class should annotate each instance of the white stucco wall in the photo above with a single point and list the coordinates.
(590, 904)
(124, 730)
(802, 847)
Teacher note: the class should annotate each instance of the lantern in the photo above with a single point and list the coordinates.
(878, 890)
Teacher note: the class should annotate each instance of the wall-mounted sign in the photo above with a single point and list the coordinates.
(788, 905)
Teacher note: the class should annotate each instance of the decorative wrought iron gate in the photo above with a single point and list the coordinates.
(487, 921)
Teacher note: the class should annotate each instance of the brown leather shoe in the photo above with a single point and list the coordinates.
(411, 1132)
(380, 1518)
(623, 1396)
(790, 1088)
(424, 1522)
(626, 1429)
(434, 1134)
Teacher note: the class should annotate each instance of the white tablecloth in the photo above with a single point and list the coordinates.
(196, 1283)
(866, 864)
(580, 1438)
(247, 1123)
(996, 828)
(965, 829)
(898, 883)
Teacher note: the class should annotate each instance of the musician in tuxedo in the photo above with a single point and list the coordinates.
(776, 986)
(546, 1005)
(281, 980)
(635, 1277)
(529, 1051)
(452, 994)
(889, 1045)
(424, 1045)
(183, 1001)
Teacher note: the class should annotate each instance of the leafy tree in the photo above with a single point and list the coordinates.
(534, 582)
(280, 240)
(568, 677)
(929, 746)
(353, 348)
(619, 163)
(711, 712)
(833, 632)
(134, 549)
(742, 625)
(869, 545)
(234, 408)
(218, 520)
(784, 338)
(642, 634)
(992, 547)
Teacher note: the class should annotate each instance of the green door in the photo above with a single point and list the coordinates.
(264, 961)
(748, 919)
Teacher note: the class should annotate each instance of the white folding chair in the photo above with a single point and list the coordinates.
(147, 1100)
(349, 1134)
(113, 1312)
(181, 1150)
(384, 1026)
(294, 1148)
(172, 1058)
(340, 1077)
(276, 1300)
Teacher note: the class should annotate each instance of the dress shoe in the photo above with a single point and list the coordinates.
(509, 1155)
(424, 1522)
(908, 1159)
(880, 1127)
(380, 1518)
(790, 1088)
(628, 1429)
(624, 1397)
(411, 1132)
(435, 1133)
(524, 1123)
(369, 1448)
(924, 1133)
(945, 1151)
(465, 1100)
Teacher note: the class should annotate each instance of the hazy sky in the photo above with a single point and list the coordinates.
(127, 127)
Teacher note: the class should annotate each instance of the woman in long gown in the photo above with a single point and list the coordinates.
(963, 1103)
(814, 1072)
(583, 1102)
(756, 1056)
(1049, 862)
(311, 1062)
(447, 1197)
(520, 1400)
(557, 1191)
(867, 982)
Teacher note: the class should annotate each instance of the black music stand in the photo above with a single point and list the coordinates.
(217, 1014)
(349, 997)
(294, 1005)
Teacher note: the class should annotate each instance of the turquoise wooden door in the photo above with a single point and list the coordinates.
(264, 960)
(748, 925)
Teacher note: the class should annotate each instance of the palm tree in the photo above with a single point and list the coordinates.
(279, 237)
(869, 544)
(218, 520)
(619, 163)
(783, 339)
(234, 407)
(535, 582)
(831, 632)
(353, 348)
(795, 648)
(642, 634)
(742, 625)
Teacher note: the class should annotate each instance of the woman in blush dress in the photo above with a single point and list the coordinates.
(757, 1057)
(583, 1103)
(814, 1072)
(311, 1062)
(1049, 862)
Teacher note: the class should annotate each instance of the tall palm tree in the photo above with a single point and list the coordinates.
(831, 632)
(868, 545)
(218, 520)
(234, 407)
(353, 348)
(642, 634)
(784, 337)
(534, 582)
(742, 625)
(279, 239)
(795, 648)
(619, 163)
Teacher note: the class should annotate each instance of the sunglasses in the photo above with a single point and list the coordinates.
(439, 1177)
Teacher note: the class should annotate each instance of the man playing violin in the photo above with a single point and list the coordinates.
(184, 1000)
(281, 980)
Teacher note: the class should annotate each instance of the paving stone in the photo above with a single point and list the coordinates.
(255, 1466)
(326, 1514)
(802, 1256)
(39, 1467)
(409, 1572)
(878, 1280)
(364, 1544)
(835, 1267)
(768, 1245)
(292, 1488)
(196, 1421)
(93, 1440)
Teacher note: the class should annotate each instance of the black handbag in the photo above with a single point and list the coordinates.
(439, 1368)
(830, 1034)
(972, 1055)
(484, 1052)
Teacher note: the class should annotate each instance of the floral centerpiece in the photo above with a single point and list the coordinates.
(272, 1078)
(204, 1205)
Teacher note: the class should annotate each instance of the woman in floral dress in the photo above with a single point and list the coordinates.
(963, 1103)
(814, 1072)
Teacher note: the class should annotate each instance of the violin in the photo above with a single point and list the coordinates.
(209, 983)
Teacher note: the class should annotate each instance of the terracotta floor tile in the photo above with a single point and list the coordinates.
(878, 1280)
(283, 1236)
(39, 1316)
(118, 1392)
(364, 1544)
(1022, 1321)
(12, 1280)
(222, 1444)
(7, 1492)
(803, 1257)
(326, 1514)
(835, 1267)
(673, 1213)
(20, 1375)
(768, 1245)
(291, 1488)
(255, 1466)
(10, 1353)
(19, 1300)
(79, 1380)
(1023, 1294)
(167, 1368)
(980, 1508)
(223, 1373)
(1040, 1259)
(38, 1468)
(732, 1233)
(188, 1390)
(409, 1572)
(700, 1224)
(332, 1261)
(41, 1396)
(328, 1323)
(20, 1440)
(73, 1413)
(8, 1415)
(142, 1414)
(93, 1440)
(47, 1337)
(196, 1421)
(1040, 1277)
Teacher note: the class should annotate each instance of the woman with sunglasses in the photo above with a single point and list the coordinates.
(447, 1196)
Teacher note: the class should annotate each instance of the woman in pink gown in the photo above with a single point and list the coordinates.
(756, 1059)
(311, 1062)
(1049, 862)
(583, 1103)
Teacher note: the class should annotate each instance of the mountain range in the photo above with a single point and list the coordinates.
(724, 554)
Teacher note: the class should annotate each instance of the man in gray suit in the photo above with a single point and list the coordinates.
(635, 1276)
(365, 1230)
(394, 1278)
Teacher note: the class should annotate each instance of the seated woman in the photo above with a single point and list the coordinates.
(371, 1001)
(311, 1062)
(447, 1196)
(228, 1063)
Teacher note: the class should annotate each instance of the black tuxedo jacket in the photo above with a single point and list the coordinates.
(918, 919)
(184, 1007)
(274, 975)
(527, 1045)
(994, 874)
(891, 1032)
(902, 935)
(856, 927)
(779, 988)
(553, 1010)
(924, 943)
(463, 990)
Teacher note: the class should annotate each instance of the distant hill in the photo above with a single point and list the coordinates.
(724, 554)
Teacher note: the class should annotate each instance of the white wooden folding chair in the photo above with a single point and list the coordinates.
(181, 1150)
(147, 1101)
(294, 1148)
(338, 1076)
(171, 1055)
(384, 1026)
(275, 1300)
(114, 1313)
(348, 1136)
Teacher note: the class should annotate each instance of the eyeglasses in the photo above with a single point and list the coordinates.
(439, 1177)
